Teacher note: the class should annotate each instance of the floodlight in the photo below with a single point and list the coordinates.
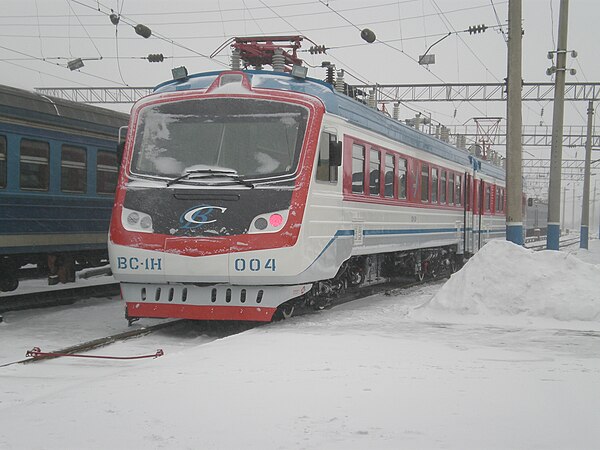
(179, 73)
(299, 71)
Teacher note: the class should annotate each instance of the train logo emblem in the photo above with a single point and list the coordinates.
(199, 215)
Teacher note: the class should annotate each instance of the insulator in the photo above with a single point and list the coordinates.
(445, 134)
(278, 60)
(339, 81)
(317, 49)
(330, 75)
(114, 19)
(156, 57)
(368, 35)
(235, 59)
(396, 111)
(372, 100)
(143, 30)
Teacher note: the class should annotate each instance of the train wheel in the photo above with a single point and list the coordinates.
(9, 284)
(453, 265)
(283, 312)
(9, 275)
(287, 311)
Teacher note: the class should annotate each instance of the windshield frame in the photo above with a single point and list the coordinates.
(284, 98)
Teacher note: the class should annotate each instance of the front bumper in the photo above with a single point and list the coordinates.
(212, 302)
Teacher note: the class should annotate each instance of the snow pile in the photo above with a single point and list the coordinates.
(504, 279)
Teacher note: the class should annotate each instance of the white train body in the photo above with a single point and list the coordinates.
(339, 189)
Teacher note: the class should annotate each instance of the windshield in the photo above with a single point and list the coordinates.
(254, 138)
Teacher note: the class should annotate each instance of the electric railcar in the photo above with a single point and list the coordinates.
(58, 172)
(245, 193)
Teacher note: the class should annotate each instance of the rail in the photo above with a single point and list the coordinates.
(55, 297)
(541, 244)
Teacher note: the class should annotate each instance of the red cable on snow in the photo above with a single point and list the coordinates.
(35, 352)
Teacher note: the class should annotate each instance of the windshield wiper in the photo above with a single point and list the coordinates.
(211, 173)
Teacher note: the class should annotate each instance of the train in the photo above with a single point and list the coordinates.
(246, 194)
(58, 173)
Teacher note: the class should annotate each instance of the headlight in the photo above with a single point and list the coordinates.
(269, 222)
(136, 221)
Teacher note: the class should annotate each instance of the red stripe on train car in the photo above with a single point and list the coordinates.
(200, 312)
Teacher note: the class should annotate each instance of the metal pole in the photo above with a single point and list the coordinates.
(557, 131)
(564, 205)
(594, 207)
(573, 211)
(514, 177)
(585, 209)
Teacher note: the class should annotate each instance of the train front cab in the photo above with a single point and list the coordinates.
(222, 241)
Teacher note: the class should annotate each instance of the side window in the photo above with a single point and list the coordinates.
(424, 182)
(324, 170)
(443, 187)
(374, 172)
(358, 169)
(106, 172)
(500, 199)
(434, 185)
(488, 197)
(3, 162)
(401, 178)
(389, 177)
(73, 169)
(458, 198)
(450, 188)
(34, 159)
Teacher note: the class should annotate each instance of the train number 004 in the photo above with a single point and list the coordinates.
(254, 264)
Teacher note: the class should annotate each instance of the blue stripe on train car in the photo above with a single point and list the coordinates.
(30, 213)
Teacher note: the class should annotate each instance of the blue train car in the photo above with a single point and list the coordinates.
(58, 171)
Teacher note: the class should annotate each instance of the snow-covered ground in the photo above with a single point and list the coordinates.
(503, 355)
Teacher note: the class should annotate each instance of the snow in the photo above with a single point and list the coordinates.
(490, 286)
(453, 365)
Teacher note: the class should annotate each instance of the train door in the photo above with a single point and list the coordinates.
(468, 213)
(481, 202)
(477, 203)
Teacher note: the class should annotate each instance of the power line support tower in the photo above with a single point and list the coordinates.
(585, 210)
(557, 130)
(514, 178)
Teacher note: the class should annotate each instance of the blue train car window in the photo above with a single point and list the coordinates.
(106, 172)
(358, 169)
(425, 183)
(401, 178)
(35, 171)
(374, 172)
(2, 162)
(73, 169)
(389, 178)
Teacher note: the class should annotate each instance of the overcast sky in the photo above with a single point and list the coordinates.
(38, 38)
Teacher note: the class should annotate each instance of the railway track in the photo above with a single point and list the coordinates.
(219, 329)
(56, 297)
(565, 242)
